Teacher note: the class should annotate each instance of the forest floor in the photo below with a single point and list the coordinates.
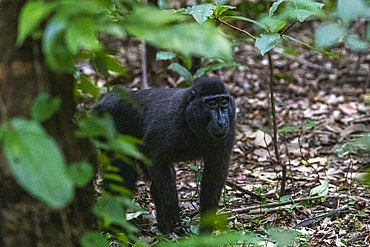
(331, 92)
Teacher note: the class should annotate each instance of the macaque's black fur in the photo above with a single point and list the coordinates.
(178, 125)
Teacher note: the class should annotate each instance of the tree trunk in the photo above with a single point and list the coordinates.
(24, 220)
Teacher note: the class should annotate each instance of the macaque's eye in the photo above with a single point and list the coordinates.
(224, 102)
(212, 104)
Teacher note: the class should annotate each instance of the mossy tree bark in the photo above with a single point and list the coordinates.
(24, 220)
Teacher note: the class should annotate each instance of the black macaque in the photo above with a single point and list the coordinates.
(178, 125)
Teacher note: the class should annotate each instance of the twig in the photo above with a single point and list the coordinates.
(144, 66)
(236, 187)
(286, 29)
(270, 205)
(274, 125)
(236, 28)
(320, 217)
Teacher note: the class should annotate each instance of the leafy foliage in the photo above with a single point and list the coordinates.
(44, 107)
(330, 33)
(38, 167)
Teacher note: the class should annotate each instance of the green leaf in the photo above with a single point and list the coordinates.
(80, 173)
(349, 10)
(308, 124)
(321, 190)
(37, 163)
(165, 55)
(93, 239)
(329, 34)
(267, 42)
(113, 65)
(31, 16)
(56, 52)
(287, 129)
(274, 7)
(286, 198)
(111, 210)
(43, 107)
(125, 146)
(273, 24)
(99, 125)
(182, 71)
(220, 9)
(282, 237)
(87, 86)
(187, 38)
(202, 12)
(81, 34)
(302, 9)
(353, 42)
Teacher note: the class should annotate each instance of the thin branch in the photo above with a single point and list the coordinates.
(236, 187)
(278, 204)
(274, 125)
(236, 28)
(286, 29)
(144, 66)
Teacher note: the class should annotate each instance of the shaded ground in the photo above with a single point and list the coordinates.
(333, 93)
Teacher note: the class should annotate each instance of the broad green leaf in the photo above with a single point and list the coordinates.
(111, 210)
(302, 14)
(87, 86)
(286, 198)
(31, 16)
(93, 239)
(43, 107)
(282, 237)
(329, 34)
(159, 28)
(80, 173)
(121, 144)
(202, 12)
(151, 19)
(113, 65)
(273, 24)
(321, 190)
(182, 71)
(193, 39)
(199, 73)
(165, 55)
(55, 50)
(348, 10)
(98, 61)
(302, 9)
(81, 34)
(186, 60)
(354, 43)
(220, 9)
(274, 7)
(267, 42)
(99, 125)
(342, 150)
(37, 163)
